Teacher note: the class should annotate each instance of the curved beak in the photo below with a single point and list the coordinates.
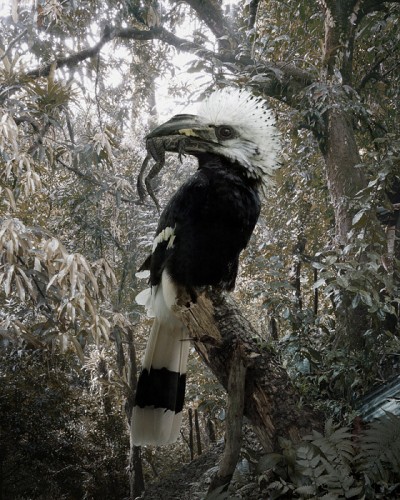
(177, 125)
(185, 134)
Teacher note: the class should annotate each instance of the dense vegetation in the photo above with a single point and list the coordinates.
(80, 85)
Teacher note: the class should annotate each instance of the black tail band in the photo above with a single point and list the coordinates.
(161, 388)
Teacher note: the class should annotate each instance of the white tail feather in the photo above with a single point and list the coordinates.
(155, 426)
(168, 347)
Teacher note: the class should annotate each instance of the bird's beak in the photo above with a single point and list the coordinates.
(185, 134)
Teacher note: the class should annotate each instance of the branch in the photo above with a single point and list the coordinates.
(253, 8)
(13, 42)
(210, 12)
(157, 33)
(282, 81)
(72, 60)
(234, 420)
(185, 45)
(361, 7)
(370, 6)
(271, 402)
(91, 179)
(373, 73)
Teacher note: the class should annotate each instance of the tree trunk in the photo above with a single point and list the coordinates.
(234, 420)
(339, 146)
(191, 445)
(344, 181)
(344, 178)
(271, 403)
(2, 460)
(210, 427)
(136, 479)
(198, 435)
(340, 150)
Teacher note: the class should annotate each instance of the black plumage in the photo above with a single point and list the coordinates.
(213, 215)
(200, 235)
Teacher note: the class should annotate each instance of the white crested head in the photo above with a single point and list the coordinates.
(256, 144)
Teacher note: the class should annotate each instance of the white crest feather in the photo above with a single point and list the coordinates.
(257, 146)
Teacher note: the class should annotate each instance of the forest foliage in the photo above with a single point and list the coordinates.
(81, 83)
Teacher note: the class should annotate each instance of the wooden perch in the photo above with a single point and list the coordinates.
(271, 403)
(233, 422)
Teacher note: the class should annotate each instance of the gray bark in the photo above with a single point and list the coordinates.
(271, 403)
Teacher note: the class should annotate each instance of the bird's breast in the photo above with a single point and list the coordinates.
(209, 240)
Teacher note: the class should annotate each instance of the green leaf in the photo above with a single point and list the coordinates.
(305, 490)
(319, 283)
(358, 217)
(269, 461)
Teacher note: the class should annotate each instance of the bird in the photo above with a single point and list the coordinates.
(201, 232)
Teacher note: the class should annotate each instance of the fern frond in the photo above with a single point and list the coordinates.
(305, 491)
(308, 467)
(338, 481)
(379, 456)
(336, 446)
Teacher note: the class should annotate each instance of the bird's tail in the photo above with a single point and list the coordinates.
(160, 392)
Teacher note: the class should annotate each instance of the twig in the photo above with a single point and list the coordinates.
(253, 8)
(13, 42)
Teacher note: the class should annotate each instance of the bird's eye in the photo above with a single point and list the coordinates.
(224, 132)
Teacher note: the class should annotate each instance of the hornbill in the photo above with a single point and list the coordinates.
(201, 232)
